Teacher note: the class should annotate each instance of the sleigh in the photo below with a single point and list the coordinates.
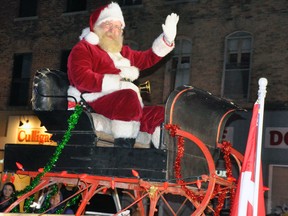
(181, 177)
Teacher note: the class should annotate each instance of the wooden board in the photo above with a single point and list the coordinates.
(105, 161)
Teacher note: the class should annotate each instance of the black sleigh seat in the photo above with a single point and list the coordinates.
(50, 104)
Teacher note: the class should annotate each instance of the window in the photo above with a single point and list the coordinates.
(178, 69)
(181, 1)
(76, 5)
(180, 64)
(132, 44)
(64, 59)
(278, 186)
(19, 95)
(237, 66)
(129, 2)
(28, 8)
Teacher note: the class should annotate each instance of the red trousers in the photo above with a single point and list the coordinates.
(124, 105)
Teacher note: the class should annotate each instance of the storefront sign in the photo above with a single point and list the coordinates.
(33, 136)
(276, 137)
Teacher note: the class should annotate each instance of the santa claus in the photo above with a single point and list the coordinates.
(100, 65)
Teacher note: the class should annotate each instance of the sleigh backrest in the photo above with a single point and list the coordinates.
(49, 90)
(202, 115)
(50, 104)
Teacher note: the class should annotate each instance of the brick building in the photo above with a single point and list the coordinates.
(222, 46)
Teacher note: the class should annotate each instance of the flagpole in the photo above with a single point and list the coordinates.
(261, 100)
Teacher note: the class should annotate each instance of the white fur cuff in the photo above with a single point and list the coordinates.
(160, 48)
(111, 82)
(156, 137)
(144, 138)
(125, 129)
(101, 123)
(130, 72)
(89, 97)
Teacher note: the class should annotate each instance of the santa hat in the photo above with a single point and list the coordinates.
(111, 11)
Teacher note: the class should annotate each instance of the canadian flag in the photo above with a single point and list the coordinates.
(249, 197)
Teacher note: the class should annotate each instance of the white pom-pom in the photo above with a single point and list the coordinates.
(85, 32)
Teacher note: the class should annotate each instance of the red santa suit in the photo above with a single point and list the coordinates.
(104, 76)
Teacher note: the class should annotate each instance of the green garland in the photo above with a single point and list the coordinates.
(27, 204)
(46, 205)
(46, 202)
(72, 122)
(70, 203)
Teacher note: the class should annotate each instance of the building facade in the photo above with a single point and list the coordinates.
(223, 47)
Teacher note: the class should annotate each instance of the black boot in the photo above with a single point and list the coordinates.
(124, 142)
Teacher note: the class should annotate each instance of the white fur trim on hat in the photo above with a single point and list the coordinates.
(125, 129)
(111, 12)
(131, 72)
(160, 48)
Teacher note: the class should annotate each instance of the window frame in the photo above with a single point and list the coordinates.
(132, 44)
(170, 73)
(180, 1)
(21, 75)
(125, 3)
(70, 6)
(237, 35)
(23, 8)
(64, 59)
(180, 57)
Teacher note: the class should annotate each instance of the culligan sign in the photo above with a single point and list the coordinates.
(33, 136)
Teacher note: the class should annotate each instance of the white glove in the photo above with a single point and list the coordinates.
(129, 72)
(170, 27)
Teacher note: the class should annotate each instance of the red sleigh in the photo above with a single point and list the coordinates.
(182, 177)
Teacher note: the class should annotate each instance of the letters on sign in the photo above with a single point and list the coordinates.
(33, 136)
(276, 137)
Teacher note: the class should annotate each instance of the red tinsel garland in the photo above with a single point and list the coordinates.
(226, 149)
(177, 165)
(221, 199)
(232, 196)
